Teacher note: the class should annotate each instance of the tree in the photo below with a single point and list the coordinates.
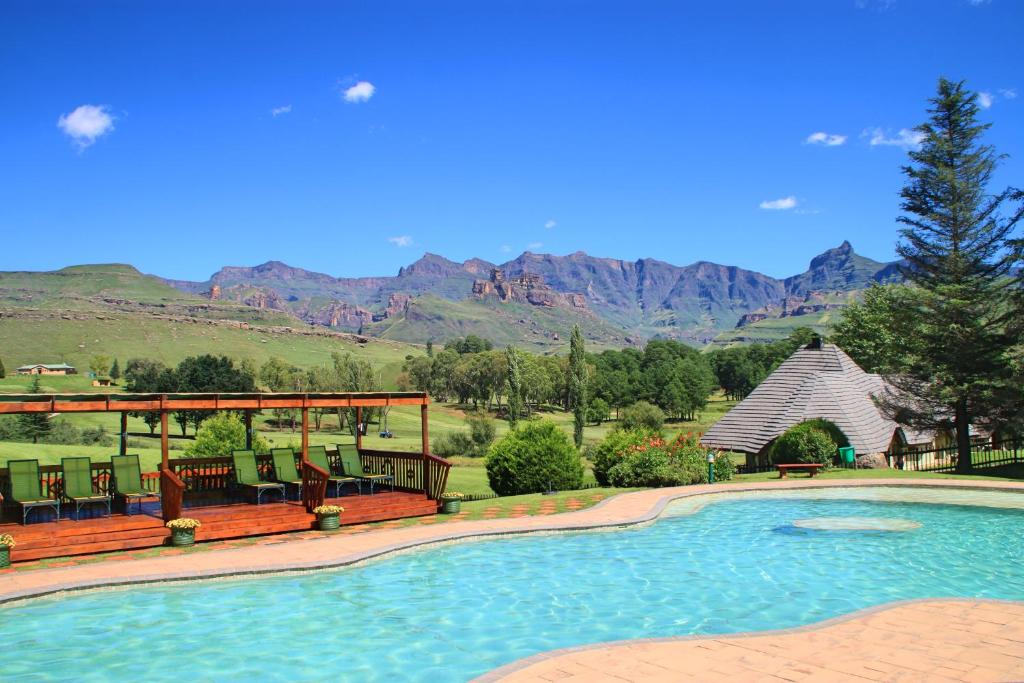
(149, 376)
(115, 370)
(577, 384)
(642, 415)
(955, 241)
(597, 411)
(876, 329)
(100, 365)
(207, 374)
(3, 371)
(515, 385)
(221, 434)
(34, 425)
(430, 348)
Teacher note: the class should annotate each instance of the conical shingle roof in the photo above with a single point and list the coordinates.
(817, 381)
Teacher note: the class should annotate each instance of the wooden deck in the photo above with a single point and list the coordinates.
(146, 530)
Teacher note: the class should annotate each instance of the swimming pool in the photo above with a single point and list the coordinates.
(452, 612)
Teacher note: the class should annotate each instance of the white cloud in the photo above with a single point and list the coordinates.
(505, 249)
(978, 3)
(905, 138)
(86, 123)
(778, 204)
(550, 223)
(401, 241)
(360, 92)
(827, 139)
(277, 111)
(534, 245)
(1008, 93)
(985, 99)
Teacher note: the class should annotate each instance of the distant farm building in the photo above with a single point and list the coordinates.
(819, 381)
(43, 369)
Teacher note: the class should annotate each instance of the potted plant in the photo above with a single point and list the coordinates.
(451, 502)
(6, 543)
(183, 531)
(328, 517)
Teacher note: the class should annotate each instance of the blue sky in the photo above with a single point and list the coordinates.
(351, 137)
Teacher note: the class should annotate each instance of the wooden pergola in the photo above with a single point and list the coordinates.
(314, 479)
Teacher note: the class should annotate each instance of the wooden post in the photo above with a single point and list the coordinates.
(247, 418)
(164, 450)
(305, 434)
(425, 445)
(359, 428)
(123, 450)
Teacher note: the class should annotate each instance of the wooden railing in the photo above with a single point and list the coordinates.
(438, 476)
(314, 485)
(172, 494)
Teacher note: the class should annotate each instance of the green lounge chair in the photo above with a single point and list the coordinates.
(27, 488)
(352, 466)
(318, 456)
(126, 481)
(78, 485)
(285, 470)
(247, 475)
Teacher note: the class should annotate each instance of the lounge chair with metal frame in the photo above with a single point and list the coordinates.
(285, 470)
(126, 481)
(247, 475)
(79, 487)
(352, 466)
(27, 488)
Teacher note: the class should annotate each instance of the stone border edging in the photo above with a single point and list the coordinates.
(526, 662)
(471, 530)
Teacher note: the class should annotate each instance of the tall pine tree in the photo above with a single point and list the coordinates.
(115, 370)
(515, 385)
(955, 240)
(34, 425)
(577, 384)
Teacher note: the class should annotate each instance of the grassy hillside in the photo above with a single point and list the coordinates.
(533, 327)
(52, 340)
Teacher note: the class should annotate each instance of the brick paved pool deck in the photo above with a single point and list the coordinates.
(995, 630)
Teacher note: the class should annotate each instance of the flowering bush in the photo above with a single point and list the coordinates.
(328, 510)
(7, 540)
(607, 454)
(655, 462)
(184, 524)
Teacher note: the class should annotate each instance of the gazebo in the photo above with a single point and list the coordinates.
(818, 381)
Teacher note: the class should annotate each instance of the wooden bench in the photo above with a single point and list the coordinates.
(810, 468)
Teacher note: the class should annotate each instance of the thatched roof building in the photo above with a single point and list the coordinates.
(817, 381)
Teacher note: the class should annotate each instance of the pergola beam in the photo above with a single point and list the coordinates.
(143, 403)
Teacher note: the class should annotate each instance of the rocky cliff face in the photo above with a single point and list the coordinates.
(526, 288)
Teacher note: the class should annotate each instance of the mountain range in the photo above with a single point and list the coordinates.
(536, 298)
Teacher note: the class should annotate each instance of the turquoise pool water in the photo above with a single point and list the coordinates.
(449, 613)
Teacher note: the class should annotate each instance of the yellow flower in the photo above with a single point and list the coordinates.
(7, 540)
(183, 523)
(328, 510)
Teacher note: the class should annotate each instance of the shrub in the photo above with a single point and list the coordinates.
(806, 442)
(219, 435)
(474, 444)
(605, 454)
(643, 415)
(453, 443)
(597, 411)
(653, 462)
(532, 457)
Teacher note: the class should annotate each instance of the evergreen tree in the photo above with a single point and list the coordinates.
(34, 425)
(955, 241)
(3, 371)
(430, 348)
(515, 385)
(577, 384)
(115, 370)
